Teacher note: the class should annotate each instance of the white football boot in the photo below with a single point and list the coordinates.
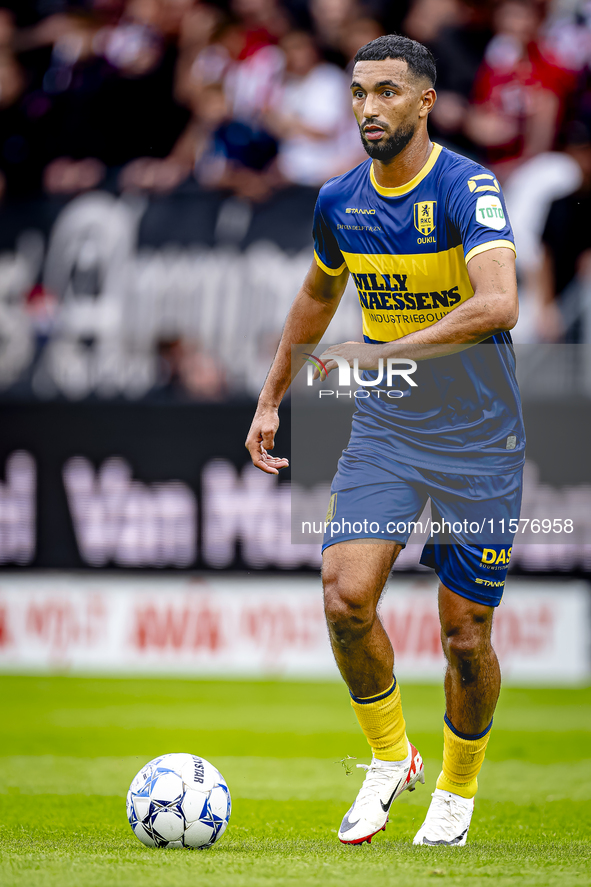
(383, 783)
(447, 821)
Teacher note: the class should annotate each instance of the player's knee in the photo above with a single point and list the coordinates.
(465, 648)
(348, 613)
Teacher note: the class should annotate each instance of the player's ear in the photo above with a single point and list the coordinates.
(428, 99)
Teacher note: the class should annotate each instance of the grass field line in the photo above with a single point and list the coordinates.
(259, 778)
(273, 845)
(552, 719)
(65, 768)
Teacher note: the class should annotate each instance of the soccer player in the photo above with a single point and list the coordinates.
(424, 233)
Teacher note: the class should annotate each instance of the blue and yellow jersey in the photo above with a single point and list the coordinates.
(407, 249)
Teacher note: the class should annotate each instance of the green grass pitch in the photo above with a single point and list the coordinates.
(69, 748)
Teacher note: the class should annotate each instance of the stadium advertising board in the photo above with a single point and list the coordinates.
(149, 486)
(257, 627)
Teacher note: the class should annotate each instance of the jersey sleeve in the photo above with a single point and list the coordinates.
(477, 209)
(326, 249)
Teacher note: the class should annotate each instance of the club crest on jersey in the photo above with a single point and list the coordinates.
(424, 216)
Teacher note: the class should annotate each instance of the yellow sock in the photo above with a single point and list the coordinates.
(462, 759)
(381, 719)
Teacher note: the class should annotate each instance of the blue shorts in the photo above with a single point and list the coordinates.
(471, 528)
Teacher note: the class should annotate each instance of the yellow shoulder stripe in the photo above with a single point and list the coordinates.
(334, 272)
(491, 244)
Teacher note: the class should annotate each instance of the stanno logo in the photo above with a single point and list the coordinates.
(363, 212)
(487, 183)
(424, 216)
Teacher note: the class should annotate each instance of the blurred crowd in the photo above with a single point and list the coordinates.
(249, 97)
(143, 94)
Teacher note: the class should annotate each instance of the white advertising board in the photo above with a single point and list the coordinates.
(266, 626)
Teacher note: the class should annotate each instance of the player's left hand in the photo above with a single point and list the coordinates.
(367, 356)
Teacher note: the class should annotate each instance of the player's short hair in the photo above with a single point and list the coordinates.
(419, 59)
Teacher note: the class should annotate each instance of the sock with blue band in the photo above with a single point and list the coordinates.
(463, 755)
(381, 719)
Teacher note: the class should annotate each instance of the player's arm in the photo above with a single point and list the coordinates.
(310, 314)
(493, 308)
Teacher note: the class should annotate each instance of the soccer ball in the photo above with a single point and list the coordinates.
(178, 800)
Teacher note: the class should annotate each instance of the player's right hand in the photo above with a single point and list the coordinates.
(261, 438)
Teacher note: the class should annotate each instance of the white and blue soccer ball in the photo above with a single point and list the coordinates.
(178, 800)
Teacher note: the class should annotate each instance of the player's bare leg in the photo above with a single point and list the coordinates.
(354, 575)
(472, 684)
(473, 676)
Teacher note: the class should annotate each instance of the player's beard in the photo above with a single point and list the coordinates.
(389, 148)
